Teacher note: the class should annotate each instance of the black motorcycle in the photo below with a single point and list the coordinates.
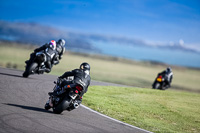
(65, 101)
(38, 63)
(159, 83)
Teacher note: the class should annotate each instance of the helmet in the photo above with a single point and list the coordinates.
(85, 66)
(52, 44)
(61, 42)
(169, 70)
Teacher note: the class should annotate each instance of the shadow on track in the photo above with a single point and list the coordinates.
(11, 75)
(29, 108)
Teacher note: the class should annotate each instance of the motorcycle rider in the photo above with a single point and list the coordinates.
(80, 76)
(60, 48)
(54, 51)
(168, 76)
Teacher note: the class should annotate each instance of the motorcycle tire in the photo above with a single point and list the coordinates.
(30, 70)
(157, 86)
(62, 106)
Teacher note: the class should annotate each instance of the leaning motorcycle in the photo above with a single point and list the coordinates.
(65, 101)
(36, 64)
(159, 83)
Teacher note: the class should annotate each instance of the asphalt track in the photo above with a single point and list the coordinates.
(22, 109)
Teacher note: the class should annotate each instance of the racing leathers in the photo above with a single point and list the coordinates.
(168, 76)
(60, 51)
(80, 77)
(50, 55)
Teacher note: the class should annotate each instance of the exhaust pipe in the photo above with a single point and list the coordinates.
(76, 105)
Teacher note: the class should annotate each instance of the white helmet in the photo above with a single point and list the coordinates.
(52, 44)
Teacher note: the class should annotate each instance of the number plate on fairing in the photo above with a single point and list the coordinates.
(72, 95)
(159, 79)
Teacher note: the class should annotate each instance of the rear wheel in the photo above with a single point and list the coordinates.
(157, 86)
(62, 106)
(164, 86)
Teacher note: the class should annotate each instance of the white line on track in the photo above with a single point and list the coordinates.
(114, 119)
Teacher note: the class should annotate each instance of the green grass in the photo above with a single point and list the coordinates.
(153, 110)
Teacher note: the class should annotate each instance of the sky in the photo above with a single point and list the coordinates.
(154, 21)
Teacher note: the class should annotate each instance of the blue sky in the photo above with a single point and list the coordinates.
(153, 21)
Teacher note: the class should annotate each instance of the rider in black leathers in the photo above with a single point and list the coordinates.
(53, 54)
(80, 76)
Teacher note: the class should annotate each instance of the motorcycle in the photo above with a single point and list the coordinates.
(38, 63)
(159, 83)
(67, 100)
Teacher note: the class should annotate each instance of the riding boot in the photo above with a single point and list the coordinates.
(41, 71)
(56, 93)
(47, 70)
(53, 93)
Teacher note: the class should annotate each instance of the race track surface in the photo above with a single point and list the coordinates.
(22, 109)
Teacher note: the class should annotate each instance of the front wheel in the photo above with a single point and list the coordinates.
(30, 69)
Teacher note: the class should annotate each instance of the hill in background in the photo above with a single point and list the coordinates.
(36, 34)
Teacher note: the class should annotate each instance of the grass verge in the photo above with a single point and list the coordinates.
(153, 110)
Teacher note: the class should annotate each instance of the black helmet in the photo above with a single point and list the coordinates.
(169, 70)
(85, 66)
(61, 42)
